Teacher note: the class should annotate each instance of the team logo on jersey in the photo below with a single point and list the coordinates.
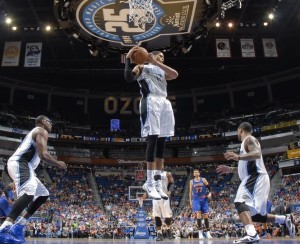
(109, 20)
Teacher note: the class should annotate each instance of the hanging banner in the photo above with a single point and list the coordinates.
(247, 48)
(270, 49)
(223, 48)
(11, 54)
(33, 54)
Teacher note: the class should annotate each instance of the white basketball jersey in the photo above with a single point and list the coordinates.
(156, 83)
(27, 151)
(247, 168)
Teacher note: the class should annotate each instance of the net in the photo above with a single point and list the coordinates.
(141, 12)
(135, 192)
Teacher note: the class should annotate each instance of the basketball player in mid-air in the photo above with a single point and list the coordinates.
(156, 113)
(162, 208)
(199, 195)
(252, 195)
(31, 193)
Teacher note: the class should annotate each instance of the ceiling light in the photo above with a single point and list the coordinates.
(8, 20)
(218, 24)
(265, 23)
(14, 28)
(230, 25)
(48, 28)
(271, 16)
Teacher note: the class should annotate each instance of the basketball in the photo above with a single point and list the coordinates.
(140, 56)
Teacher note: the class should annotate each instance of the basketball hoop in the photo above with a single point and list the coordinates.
(141, 12)
(230, 4)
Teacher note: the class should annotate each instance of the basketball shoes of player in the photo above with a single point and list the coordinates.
(289, 222)
(158, 187)
(149, 187)
(208, 235)
(248, 239)
(12, 234)
(159, 237)
(200, 234)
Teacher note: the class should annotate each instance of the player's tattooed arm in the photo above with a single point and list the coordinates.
(252, 148)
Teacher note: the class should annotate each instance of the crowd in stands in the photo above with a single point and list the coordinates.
(72, 210)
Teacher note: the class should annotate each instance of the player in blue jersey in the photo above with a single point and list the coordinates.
(199, 196)
(6, 200)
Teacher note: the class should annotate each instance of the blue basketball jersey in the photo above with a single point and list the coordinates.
(199, 189)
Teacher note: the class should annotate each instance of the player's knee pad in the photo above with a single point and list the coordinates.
(151, 147)
(259, 218)
(168, 221)
(160, 149)
(241, 207)
(158, 222)
(205, 216)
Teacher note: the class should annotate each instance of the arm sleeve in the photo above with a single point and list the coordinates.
(128, 74)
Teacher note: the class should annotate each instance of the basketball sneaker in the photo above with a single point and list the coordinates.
(151, 191)
(289, 222)
(14, 235)
(200, 235)
(158, 187)
(248, 239)
(208, 235)
(159, 237)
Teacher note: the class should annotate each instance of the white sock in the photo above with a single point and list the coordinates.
(22, 221)
(150, 177)
(280, 219)
(250, 230)
(5, 223)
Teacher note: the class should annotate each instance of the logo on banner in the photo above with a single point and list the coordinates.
(270, 49)
(12, 52)
(33, 51)
(247, 47)
(108, 20)
(33, 55)
(223, 48)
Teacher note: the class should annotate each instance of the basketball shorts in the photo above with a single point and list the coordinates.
(254, 191)
(25, 180)
(157, 117)
(5, 208)
(162, 208)
(200, 205)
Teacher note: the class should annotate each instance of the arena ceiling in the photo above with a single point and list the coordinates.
(66, 54)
